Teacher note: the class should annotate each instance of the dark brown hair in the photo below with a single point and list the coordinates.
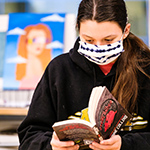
(136, 53)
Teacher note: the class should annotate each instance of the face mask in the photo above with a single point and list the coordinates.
(103, 54)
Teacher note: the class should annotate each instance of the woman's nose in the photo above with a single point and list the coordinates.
(98, 43)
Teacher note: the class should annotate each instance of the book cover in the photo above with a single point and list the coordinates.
(106, 116)
(110, 116)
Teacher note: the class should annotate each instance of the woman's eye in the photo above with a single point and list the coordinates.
(89, 41)
(108, 40)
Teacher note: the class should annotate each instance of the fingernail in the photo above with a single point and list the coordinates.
(72, 143)
(90, 146)
(78, 146)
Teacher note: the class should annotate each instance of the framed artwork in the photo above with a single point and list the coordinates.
(32, 41)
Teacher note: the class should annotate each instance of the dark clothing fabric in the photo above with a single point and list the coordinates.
(65, 89)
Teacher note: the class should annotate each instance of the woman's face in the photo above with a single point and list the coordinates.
(102, 33)
(36, 41)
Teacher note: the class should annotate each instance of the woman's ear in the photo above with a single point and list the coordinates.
(127, 30)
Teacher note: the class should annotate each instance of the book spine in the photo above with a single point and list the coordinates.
(121, 122)
(97, 132)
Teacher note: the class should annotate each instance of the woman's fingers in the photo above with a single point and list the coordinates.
(62, 145)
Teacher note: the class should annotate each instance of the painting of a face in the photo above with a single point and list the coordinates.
(36, 41)
(32, 41)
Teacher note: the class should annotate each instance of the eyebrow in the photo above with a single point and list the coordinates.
(86, 35)
(111, 35)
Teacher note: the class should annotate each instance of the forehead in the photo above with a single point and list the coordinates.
(36, 32)
(99, 30)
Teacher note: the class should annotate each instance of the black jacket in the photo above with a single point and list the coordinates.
(64, 90)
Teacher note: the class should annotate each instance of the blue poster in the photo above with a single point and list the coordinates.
(32, 41)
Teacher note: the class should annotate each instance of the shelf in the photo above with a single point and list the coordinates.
(11, 118)
(13, 111)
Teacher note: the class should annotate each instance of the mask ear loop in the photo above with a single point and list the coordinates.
(125, 29)
(122, 37)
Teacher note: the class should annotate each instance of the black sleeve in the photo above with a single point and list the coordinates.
(140, 139)
(136, 141)
(35, 132)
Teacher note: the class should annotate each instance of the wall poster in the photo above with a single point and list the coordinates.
(32, 41)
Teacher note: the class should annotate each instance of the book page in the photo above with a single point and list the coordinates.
(93, 103)
(79, 131)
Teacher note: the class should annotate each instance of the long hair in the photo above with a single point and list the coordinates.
(44, 57)
(136, 54)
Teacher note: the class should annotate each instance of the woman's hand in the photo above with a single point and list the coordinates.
(114, 143)
(62, 145)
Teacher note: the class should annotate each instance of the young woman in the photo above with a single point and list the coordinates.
(107, 54)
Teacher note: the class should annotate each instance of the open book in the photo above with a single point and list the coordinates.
(106, 117)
